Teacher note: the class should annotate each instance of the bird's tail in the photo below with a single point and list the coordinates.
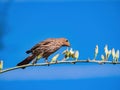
(26, 60)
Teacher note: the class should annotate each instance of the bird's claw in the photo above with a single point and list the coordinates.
(73, 62)
(48, 63)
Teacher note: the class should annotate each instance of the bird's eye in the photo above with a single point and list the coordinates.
(66, 40)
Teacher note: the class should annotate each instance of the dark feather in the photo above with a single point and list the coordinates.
(26, 60)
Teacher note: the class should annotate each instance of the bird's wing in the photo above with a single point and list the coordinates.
(45, 42)
(50, 48)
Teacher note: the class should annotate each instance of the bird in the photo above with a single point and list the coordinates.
(44, 49)
(54, 59)
(96, 52)
(1, 65)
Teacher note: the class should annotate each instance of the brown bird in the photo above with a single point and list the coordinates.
(44, 49)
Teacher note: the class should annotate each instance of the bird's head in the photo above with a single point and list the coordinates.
(64, 42)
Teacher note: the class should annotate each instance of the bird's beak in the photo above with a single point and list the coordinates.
(68, 44)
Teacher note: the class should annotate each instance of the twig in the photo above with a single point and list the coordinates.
(60, 62)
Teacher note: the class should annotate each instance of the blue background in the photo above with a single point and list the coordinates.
(84, 23)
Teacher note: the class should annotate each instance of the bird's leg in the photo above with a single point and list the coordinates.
(34, 61)
(46, 60)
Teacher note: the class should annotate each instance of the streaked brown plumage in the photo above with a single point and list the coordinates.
(45, 49)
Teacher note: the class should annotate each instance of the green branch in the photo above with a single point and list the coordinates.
(60, 62)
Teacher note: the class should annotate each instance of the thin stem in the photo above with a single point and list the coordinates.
(60, 62)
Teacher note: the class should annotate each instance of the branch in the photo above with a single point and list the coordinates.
(60, 62)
